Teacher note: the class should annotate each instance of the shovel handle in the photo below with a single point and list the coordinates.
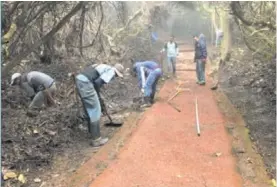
(105, 109)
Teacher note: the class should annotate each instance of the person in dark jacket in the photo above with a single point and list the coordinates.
(200, 58)
(88, 85)
(148, 74)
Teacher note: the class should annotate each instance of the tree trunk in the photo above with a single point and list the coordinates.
(5, 71)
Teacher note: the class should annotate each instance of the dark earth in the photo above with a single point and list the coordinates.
(31, 145)
(250, 84)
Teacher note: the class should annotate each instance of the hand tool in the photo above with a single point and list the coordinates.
(111, 123)
(179, 90)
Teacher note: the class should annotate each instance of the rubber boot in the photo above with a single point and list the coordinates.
(94, 130)
(32, 112)
(147, 102)
(152, 99)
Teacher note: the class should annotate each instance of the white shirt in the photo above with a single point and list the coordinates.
(172, 49)
(106, 72)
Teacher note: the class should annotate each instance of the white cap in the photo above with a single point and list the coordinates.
(14, 76)
(119, 69)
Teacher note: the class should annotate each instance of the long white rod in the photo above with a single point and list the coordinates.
(197, 119)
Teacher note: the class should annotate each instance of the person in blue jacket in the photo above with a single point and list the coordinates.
(200, 58)
(148, 74)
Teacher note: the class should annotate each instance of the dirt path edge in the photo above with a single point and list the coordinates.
(249, 163)
(88, 171)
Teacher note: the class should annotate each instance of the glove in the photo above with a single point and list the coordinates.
(142, 90)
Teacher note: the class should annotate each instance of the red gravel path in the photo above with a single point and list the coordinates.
(165, 150)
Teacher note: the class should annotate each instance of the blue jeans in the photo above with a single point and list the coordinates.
(89, 98)
(171, 64)
(151, 83)
(200, 70)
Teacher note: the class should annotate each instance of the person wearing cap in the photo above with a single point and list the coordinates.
(148, 74)
(38, 86)
(88, 84)
(172, 50)
(200, 58)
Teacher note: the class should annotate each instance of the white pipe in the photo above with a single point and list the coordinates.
(197, 119)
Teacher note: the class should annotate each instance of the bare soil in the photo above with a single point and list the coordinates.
(57, 138)
(250, 85)
(169, 138)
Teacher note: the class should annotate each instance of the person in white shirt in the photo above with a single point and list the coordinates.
(172, 50)
(88, 84)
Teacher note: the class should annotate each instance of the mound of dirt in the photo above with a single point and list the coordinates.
(250, 85)
(30, 143)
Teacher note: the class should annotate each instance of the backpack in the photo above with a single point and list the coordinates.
(176, 46)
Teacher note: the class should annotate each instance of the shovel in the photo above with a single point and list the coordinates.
(111, 123)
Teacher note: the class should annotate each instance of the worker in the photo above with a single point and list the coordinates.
(40, 88)
(172, 52)
(200, 58)
(148, 74)
(218, 37)
(88, 84)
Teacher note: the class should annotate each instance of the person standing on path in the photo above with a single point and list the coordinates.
(148, 74)
(172, 50)
(40, 88)
(88, 84)
(200, 58)
(218, 37)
